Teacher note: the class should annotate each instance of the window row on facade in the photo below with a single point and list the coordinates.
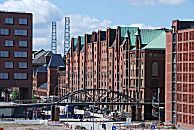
(17, 54)
(23, 76)
(11, 20)
(11, 43)
(186, 98)
(185, 77)
(17, 32)
(186, 67)
(187, 46)
(185, 108)
(10, 65)
(185, 57)
(185, 118)
(185, 87)
(185, 36)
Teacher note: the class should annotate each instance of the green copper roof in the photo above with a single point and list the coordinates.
(157, 43)
(124, 30)
(148, 35)
(150, 38)
(132, 31)
(82, 41)
(75, 42)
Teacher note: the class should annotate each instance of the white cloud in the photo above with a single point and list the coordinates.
(86, 24)
(141, 2)
(171, 2)
(154, 2)
(44, 12)
(40, 40)
(79, 26)
(143, 26)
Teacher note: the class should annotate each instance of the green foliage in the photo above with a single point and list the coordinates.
(33, 98)
(15, 95)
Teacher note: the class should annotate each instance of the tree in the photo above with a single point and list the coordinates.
(33, 98)
(15, 95)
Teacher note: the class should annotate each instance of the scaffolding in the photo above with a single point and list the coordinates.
(67, 35)
(54, 38)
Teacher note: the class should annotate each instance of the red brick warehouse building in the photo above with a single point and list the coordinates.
(16, 52)
(107, 60)
(179, 92)
(48, 73)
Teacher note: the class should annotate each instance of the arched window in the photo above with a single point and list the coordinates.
(155, 68)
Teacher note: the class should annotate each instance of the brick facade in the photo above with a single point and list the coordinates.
(183, 35)
(16, 40)
(107, 60)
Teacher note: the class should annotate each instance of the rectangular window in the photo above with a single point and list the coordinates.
(8, 43)
(8, 20)
(21, 32)
(20, 54)
(4, 31)
(23, 65)
(23, 21)
(4, 54)
(23, 43)
(20, 75)
(4, 76)
(8, 65)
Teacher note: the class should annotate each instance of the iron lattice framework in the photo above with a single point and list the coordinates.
(95, 95)
(67, 35)
(54, 38)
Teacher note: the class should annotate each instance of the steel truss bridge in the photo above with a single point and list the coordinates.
(97, 95)
(91, 97)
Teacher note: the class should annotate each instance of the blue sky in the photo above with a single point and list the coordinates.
(90, 15)
(123, 12)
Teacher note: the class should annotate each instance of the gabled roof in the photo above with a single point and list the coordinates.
(42, 68)
(114, 43)
(82, 42)
(43, 86)
(103, 35)
(124, 41)
(124, 30)
(158, 43)
(149, 38)
(55, 61)
(75, 43)
(132, 31)
(41, 58)
(36, 54)
(147, 35)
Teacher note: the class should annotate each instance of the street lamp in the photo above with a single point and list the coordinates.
(93, 116)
